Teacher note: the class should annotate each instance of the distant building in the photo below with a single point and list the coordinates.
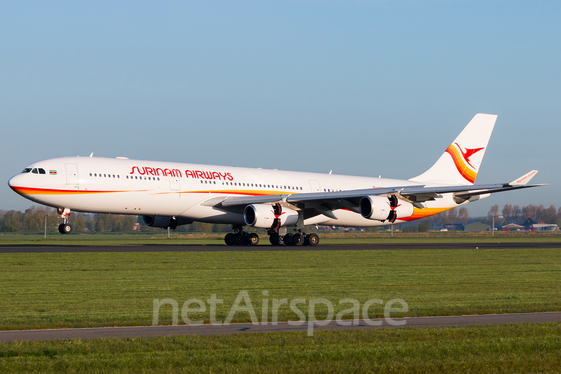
(528, 223)
(544, 227)
(513, 227)
(477, 226)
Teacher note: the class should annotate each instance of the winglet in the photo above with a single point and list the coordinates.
(523, 180)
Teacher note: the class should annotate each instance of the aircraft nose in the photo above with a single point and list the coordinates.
(13, 182)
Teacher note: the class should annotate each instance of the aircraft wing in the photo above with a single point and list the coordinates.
(325, 202)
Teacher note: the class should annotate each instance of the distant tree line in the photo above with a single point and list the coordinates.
(33, 220)
(515, 214)
(509, 214)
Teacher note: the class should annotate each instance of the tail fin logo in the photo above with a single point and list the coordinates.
(462, 160)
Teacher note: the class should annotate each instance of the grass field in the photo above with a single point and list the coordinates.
(528, 348)
(106, 289)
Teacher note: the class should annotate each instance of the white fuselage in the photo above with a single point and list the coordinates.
(123, 186)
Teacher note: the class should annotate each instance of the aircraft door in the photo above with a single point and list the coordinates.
(174, 183)
(71, 174)
(314, 184)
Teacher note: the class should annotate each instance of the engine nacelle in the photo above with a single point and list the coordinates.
(269, 216)
(385, 208)
(165, 222)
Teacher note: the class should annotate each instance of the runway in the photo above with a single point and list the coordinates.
(248, 328)
(324, 247)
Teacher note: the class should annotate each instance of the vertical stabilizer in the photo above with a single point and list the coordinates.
(460, 163)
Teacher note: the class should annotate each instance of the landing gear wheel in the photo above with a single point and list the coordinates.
(253, 239)
(229, 238)
(312, 240)
(276, 239)
(238, 239)
(64, 228)
(288, 239)
(297, 239)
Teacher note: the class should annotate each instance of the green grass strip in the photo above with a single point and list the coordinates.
(52, 290)
(529, 348)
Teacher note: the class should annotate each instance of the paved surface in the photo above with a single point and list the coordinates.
(245, 328)
(324, 247)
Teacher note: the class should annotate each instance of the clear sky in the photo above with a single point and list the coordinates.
(358, 87)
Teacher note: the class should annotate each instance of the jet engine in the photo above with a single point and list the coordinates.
(385, 208)
(165, 222)
(269, 216)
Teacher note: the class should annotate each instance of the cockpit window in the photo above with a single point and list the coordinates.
(34, 171)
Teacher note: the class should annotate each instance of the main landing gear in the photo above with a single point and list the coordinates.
(240, 237)
(64, 227)
(276, 237)
(296, 239)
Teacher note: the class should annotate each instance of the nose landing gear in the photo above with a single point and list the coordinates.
(64, 227)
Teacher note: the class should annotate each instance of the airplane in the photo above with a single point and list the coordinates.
(168, 194)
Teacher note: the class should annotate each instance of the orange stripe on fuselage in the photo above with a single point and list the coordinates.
(232, 192)
(47, 191)
(461, 164)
